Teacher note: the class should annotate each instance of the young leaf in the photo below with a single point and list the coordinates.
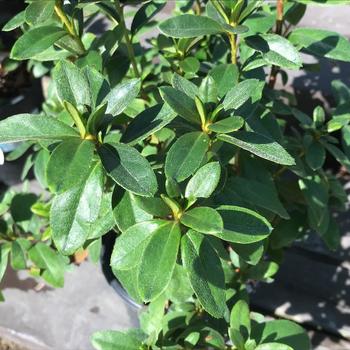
(238, 95)
(14, 22)
(183, 105)
(128, 168)
(242, 225)
(227, 125)
(147, 123)
(205, 272)
(259, 145)
(29, 127)
(204, 181)
(322, 43)
(69, 163)
(73, 212)
(131, 243)
(71, 84)
(186, 155)
(203, 219)
(35, 41)
(189, 26)
(240, 319)
(121, 96)
(158, 261)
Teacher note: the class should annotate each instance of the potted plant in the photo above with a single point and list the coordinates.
(187, 148)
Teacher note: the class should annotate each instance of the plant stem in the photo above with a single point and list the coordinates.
(278, 31)
(68, 24)
(233, 43)
(128, 43)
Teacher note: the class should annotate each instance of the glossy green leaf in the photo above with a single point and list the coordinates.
(225, 76)
(147, 123)
(153, 205)
(73, 212)
(183, 105)
(71, 84)
(204, 181)
(39, 11)
(227, 125)
(208, 91)
(190, 65)
(205, 272)
(186, 86)
(121, 96)
(131, 243)
(281, 331)
(186, 155)
(113, 340)
(14, 22)
(322, 43)
(242, 225)
(35, 41)
(96, 119)
(240, 318)
(18, 254)
(69, 163)
(259, 145)
(47, 259)
(30, 127)
(188, 26)
(125, 209)
(276, 50)
(128, 168)
(158, 261)
(203, 219)
(4, 253)
(242, 92)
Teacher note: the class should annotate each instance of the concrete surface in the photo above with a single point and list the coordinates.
(63, 319)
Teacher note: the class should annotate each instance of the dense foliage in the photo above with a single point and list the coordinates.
(188, 146)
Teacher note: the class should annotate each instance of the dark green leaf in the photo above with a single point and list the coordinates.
(190, 65)
(227, 125)
(128, 168)
(240, 319)
(186, 155)
(35, 41)
(186, 86)
(205, 272)
(225, 76)
(29, 127)
(259, 145)
(39, 11)
(315, 155)
(242, 225)
(188, 26)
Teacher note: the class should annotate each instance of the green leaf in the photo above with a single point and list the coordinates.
(18, 256)
(242, 92)
(74, 212)
(29, 127)
(240, 319)
(227, 125)
(14, 22)
(35, 41)
(203, 219)
(121, 96)
(190, 65)
(144, 14)
(338, 155)
(153, 206)
(273, 346)
(204, 181)
(205, 272)
(128, 168)
(68, 164)
(276, 50)
(125, 209)
(208, 91)
(46, 258)
(4, 252)
(183, 105)
(186, 155)
(188, 26)
(322, 43)
(147, 123)
(225, 76)
(281, 331)
(76, 116)
(186, 86)
(39, 11)
(71, 84)
(113, 340)
(315, 155)
(96, 119)
(131, 243)
(242, 225)
(259, 145)
(158, 261)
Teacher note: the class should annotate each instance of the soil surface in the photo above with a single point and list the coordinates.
(6, 344)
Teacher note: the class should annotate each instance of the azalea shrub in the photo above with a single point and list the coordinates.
(173, 127)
